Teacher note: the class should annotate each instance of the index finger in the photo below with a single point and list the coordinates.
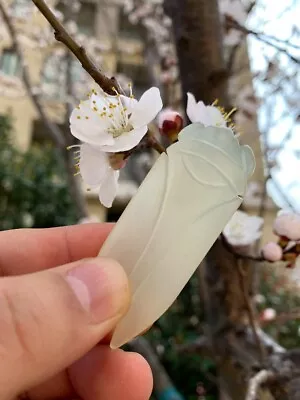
(30, 250)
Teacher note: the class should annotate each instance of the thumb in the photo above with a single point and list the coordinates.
(51, 318)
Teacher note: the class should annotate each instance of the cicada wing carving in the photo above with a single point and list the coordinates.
(171, 223)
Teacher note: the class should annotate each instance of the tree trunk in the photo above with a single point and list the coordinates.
(198, 36)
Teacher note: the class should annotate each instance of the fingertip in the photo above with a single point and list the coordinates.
(141, 376)
(112, 374)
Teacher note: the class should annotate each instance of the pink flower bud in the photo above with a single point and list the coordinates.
(170, 123)
(272, 252)
(269, 314)
(287, 224)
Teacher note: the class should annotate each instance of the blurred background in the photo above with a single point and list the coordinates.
(139, 41)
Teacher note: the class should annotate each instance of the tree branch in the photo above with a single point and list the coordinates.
(162, 381)
(53, 131)
(256, 382)
(269, 40)
(200, 345)
(109, 85)
(251, 315)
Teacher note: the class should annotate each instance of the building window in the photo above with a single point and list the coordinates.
(9, 62)
(138, 74)
(54, 77)
(21, 8)
(85, 19)
(127, 29)
(40, 135)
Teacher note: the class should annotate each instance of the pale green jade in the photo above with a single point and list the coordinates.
(177, 214)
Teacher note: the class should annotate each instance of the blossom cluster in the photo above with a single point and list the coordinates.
(243, 230)
(287, 227)
(111, 126)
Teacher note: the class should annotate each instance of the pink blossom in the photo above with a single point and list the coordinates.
(287, 224)
(272, 252)
(269, 314)
(170, 122)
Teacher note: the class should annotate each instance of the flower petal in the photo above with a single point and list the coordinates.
(87, 125)
(215, 117)
(127, 140)
(207, 115)
(103, 101)
(147, 108)
(109, 187)
(93, 165)
(191, 109)
(129, 103)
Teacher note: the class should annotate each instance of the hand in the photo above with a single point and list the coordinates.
(56, 305)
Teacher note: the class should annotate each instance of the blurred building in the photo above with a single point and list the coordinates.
(118, 46)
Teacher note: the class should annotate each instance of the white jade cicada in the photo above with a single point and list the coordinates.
(177, 214)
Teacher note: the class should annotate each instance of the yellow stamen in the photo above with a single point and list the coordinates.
(230, 113)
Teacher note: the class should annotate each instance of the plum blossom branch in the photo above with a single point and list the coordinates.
(109, 85)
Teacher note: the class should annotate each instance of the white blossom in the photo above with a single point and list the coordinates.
(115, 123)
(243, 229)
(97, 172)
(207, 115)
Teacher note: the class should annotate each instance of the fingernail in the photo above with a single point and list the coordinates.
(101, 287)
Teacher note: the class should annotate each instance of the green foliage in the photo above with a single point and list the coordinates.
(33, 188)
(182, 323)
(278, 294)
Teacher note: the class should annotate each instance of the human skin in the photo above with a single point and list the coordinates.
(53, 344)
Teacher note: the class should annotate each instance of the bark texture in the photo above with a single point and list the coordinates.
(198, 37)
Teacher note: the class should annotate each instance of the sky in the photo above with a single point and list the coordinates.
(277, 18)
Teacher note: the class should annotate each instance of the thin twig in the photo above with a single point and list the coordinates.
(257, 381)
(269, 40)
(109, 85)
(162, 381)
(250, 311)
(153, 143)
(200, 345)
(232, 57)
(284, 317)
